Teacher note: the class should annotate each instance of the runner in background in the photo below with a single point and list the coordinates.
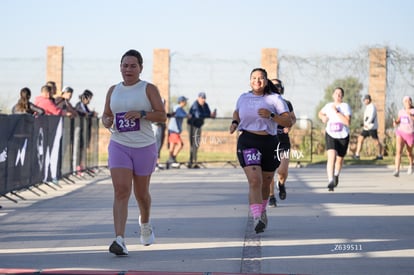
(283, 150)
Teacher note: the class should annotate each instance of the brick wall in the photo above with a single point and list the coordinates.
(161, 73)
(54, 68)
(378, 84)
(269, 62)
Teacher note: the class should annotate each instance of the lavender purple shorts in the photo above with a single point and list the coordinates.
(141, 160)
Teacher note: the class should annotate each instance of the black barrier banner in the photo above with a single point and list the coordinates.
(67, 146)
(38, 157)
(19, 152)
(93, 145)
(36, 150)
(55, 132)
(77, 134)
(83, 142)
(4, 125)
(47, 160)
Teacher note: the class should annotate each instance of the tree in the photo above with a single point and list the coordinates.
(352, 88)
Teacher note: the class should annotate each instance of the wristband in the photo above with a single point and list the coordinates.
(143, 114)
(235, 122)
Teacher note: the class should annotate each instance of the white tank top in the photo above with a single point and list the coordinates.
(130, 133)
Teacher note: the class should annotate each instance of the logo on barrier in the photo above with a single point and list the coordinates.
(40, 152)
(21, 154)
(3, 155)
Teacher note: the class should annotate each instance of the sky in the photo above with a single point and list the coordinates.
(230, 29)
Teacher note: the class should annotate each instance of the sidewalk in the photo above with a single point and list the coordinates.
(201, 224)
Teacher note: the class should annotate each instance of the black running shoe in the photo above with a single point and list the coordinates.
(263, 218)
(336, 180)
(272, 201)
(331, 186)
(259, 226)
(282, 191)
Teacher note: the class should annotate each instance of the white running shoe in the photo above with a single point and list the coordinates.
(410, 170)
(118, 247)
(396, 173)
(147, 234)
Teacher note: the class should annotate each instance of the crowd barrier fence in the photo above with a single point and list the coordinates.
(45, 149)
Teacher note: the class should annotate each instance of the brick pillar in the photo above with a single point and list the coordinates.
(161, 74)
(54, 67)
(378, 84)
(269, 62)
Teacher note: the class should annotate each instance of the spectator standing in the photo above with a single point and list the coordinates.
(370, 128)
(175, 127)
(257, 115)
(131, 107)
(53, 92)
(24, 106)
(337, 116)
(404, 135)
(159, 133)
(199, 111)
(83, 111)
(45, 101)
(63, 101)
(82, 105)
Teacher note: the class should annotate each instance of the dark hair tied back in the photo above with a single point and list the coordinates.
(279, 86)
(270, 87)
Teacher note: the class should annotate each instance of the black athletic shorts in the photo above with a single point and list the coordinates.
(370, 133)
(284, 142)
(258, 150)
(340, 145)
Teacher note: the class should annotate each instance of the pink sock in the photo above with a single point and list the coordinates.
(264, 204)
(256, 209)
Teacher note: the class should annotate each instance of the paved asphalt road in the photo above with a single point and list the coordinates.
(201, 222)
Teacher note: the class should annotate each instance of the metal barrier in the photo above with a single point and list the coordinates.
(44, 150)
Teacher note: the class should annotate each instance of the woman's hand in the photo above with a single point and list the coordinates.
(264, 113)
(233, 128)
(107, 121)
(132, 115)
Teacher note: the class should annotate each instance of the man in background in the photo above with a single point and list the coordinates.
(370, 128)
(198, 112)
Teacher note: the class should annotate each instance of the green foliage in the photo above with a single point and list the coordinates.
(352, 88)
(389, 143)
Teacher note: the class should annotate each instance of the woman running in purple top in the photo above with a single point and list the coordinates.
(257, 115)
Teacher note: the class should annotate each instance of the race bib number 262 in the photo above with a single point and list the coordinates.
(252, 156)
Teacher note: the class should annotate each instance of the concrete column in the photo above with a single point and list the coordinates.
(161, 74)
(378, 84)
(54, 67)
(269, 62)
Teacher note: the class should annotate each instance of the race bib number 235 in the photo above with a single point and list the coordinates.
(126, 125)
